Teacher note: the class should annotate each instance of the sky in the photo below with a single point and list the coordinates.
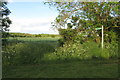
(31, 17)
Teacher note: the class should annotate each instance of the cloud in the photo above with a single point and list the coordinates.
(36, 25)
(10, 1)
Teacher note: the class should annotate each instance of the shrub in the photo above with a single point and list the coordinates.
(68, 51)
(68, 34)
(61, 41)
(87, 50)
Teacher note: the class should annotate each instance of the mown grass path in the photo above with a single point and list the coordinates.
(72, 69)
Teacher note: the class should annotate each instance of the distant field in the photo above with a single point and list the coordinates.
(32, 35)
(34, 39)
(28, 52)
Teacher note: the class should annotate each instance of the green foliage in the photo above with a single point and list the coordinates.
(44, 51)
(27, 52)
(86, 14)
(39, 35)
(68, 34)
(80, 46)
(61, 41)
(5, 22)
(68, 51)
(5, 35)
(87, 50)
(92, 49)
(81, 37)
(112, 43)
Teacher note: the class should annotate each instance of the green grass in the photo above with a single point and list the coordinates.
(34, 48)
(74, 69)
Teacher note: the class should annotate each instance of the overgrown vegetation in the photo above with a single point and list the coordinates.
(29, 58)
(27, 51)
(86, 50)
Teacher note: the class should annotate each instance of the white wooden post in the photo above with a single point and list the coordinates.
(102, 37)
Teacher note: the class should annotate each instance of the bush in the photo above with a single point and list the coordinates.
(39, 35)
(87, 50)
(68, 34)
(68, 51)
(61, 41)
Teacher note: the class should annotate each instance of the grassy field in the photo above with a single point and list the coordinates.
(32, 66)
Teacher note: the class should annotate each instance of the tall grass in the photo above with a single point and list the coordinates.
(27, 50)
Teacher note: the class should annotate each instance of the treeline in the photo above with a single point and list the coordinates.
(32, 35)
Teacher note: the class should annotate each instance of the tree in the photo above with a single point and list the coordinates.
(86, 15)
(5, 21)
(90, 12)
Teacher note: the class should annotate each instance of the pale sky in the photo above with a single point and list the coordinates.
(31, 17)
